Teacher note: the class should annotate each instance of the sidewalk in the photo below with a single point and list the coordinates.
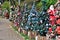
(6, 33)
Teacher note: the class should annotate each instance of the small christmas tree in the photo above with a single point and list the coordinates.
(43, 20)
(33, 18)
(25, 16)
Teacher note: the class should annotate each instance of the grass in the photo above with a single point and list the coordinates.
(25, 36)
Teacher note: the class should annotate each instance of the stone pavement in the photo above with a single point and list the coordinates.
(6, 33)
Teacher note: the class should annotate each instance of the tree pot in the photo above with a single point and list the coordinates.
(38, 37)
(25, 32)
(31, 34)
(19, 29)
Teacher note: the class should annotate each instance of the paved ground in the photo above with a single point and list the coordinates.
(6, 33)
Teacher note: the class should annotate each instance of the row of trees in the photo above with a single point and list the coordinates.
(38, 3)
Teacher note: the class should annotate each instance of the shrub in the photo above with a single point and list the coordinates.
(6, 5)
(48, 3)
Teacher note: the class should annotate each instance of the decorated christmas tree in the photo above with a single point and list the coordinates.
(25, 16)
(32, 19)
(43, 20)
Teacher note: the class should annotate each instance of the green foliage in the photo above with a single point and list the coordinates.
(16, 3)
(39, 5)
(25, 36)
(48, 3)
(6, 5)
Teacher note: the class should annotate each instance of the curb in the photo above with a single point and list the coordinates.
(17, 32)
